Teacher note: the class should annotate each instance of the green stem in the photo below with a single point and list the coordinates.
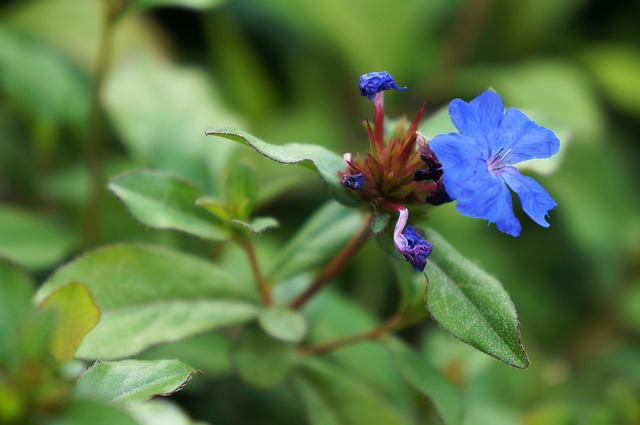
(261, 283)
(395, 322)
(96, 135)
(336, 265)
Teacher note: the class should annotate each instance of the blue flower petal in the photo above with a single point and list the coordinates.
(524, 139)
(461, 158)
(488, 197)
(417, 249)
(535, 201)
(479, 118)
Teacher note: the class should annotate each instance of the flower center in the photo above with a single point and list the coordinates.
(495, 164)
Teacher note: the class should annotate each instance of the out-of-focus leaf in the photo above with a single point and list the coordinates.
(551, 87)
(150, 295)
(64, 96)
(242, 189)
(284, 324)
(159, 412)
(164, 201)
(31, 241)
(76, 315)
(380, 220)
(424, 377)
(319, 239)
(331, 396)
(190, 4)
(132, 380)
(472, 305)
(326, 163)
(83, 412)
(262, 361)
(616, 68)
(413, 286)
(16, 290)
(137, 98)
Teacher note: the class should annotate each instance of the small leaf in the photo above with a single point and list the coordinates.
(380, 221)
(331, 396)
(163, 201)
(283, 324)
(320, 238)
(242, 189)
(425, 378)
(326, 163)
(215, 207)
(472, 305)
(150, 295)
(76, 315)
(133, 380)
(31, 241)
(258, 224)
(160, 412)
(262, 361)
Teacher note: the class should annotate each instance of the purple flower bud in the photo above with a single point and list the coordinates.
(353, 181)
(409, 242)
(375, 82)
(439, 196)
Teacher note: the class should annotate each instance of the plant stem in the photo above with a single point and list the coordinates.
(261, 283)
(378, 332)
(95, 138)
(336, 265)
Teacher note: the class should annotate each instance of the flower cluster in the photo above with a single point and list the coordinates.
(474, 166)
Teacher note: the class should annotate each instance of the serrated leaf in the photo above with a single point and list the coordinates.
(283, 324)
(32, 241)
(472, 305)
(318, 240)
(262, 361)
(150, 295)
(76, 314)
(425, 378)
(331, 396)
(132, 380)
(164, 201)
(326, 162)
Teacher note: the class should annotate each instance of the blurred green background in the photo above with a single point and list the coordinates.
(287, 71)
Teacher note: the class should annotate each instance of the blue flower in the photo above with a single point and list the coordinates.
(478, 161)
(375, 82)
(409, 243)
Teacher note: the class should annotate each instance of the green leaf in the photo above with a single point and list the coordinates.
(380, 221)
(472, 305)
(242, 189)
(163, 201)
(31, 241)
(320, 238)
(83, 412)
(133, 380)
(190, 4)
(331, 396)
(160, 412)
(76, 315)
(412, 286)
(262, 361)
(326, 163)
(258, 224)
(150, 295)
(16, 290)
(425, 378)
(282, 323)
(616, 68)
